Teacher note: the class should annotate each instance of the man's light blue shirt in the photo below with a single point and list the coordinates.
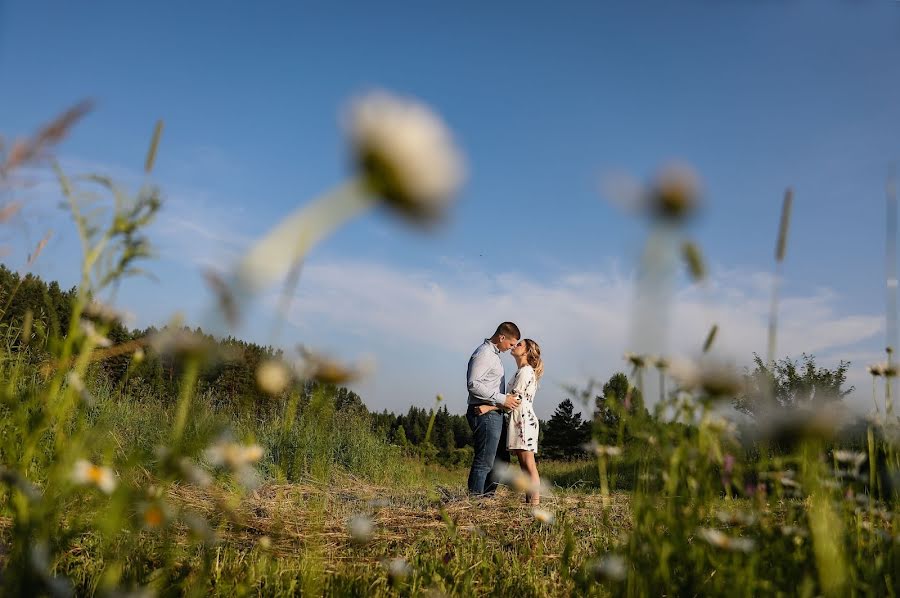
(485, 376)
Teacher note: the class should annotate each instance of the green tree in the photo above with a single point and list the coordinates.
(565, 433)
(791, 384)
(616, 410)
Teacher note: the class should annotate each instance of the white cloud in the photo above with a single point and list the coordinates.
(424, 323)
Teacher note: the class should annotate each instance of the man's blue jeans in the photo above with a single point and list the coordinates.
(487, 430)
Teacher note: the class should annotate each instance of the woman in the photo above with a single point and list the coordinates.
(522, 437)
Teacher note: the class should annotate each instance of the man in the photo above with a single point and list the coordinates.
(487, 384)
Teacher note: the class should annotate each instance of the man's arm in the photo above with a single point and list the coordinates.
(480, 364)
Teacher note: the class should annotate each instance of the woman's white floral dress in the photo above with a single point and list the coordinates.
(523, 422)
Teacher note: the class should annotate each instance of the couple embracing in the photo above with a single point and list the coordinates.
(503, 420)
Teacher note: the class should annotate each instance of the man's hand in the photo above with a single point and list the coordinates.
(511, 402)
(482, 409)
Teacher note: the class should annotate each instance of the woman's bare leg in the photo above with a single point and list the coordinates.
(529, 466)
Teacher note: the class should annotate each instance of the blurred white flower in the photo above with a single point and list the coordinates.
(90, 331)
(543, 515)
(675, 192)
(724, 541)
(712, 378)
(398, 569)
(602, 449)
(610, 567)
(361, 528)
(233, 455)
(272, 376)
(405, 153)
(88, 474)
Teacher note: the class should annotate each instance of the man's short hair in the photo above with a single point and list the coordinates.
(508, 329)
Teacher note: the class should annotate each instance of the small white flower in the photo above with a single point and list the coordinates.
(603, 450)
(232, 455)
(675, 193)
(88, 474)
(90, 331)
(361, 528)
(736, 518)
(710, 377)
(543, 515)
(272, 376)
(398, 569)
(725, 542)
(405, 153)
(610, 567)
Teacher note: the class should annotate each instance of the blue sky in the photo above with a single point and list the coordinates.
(546, 102)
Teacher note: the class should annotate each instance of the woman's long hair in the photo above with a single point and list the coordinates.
(533, 357)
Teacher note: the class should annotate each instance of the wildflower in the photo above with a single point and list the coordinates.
(361, 528)
(405, 153)
(793, 530)
(635, 360)
(886, 369)
(272, 376)
(154, 516)
(543, 515)
(675, 193)
(397, 569)
(610, 567)
(876, 369)
(94, 337)
(788, 482)
(603, 450)
(712, 378)
(88, 474)
(719, 425)
(725, 542)
(234, 456)
(736, 518)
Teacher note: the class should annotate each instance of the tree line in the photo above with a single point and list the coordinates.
(612, 414)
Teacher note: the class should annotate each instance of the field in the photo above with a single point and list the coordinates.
(125, 479)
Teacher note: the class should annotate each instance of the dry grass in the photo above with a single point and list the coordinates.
(293, 517)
